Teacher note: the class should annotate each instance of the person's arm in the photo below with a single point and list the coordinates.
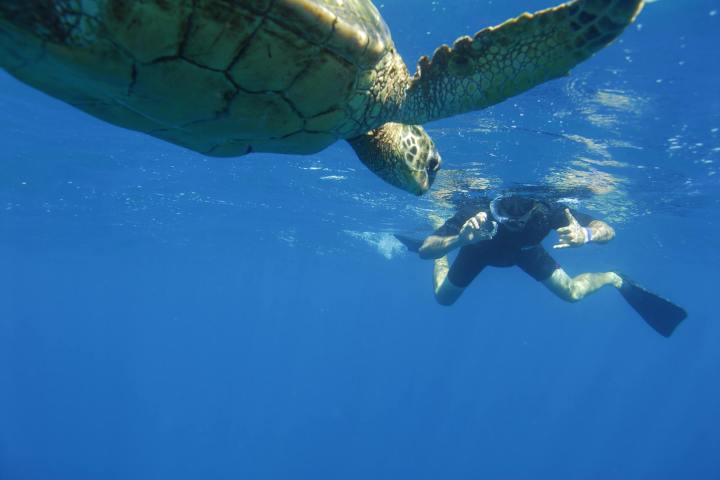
(576, 235)
(437, 246)
(600, 232)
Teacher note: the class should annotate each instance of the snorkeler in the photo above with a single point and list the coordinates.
(508, 231)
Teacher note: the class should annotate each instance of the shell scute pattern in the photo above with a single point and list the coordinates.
(156, 92)
(276, 121)
(325, 122)
(305, 18)
(221, 76)
(311, 92)
(216, 35)
(294, 68)
(163, 27)
(272, 60)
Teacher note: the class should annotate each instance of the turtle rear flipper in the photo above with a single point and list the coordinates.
(503, 61)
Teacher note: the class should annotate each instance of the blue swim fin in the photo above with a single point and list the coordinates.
(661, 314)
(412, 244)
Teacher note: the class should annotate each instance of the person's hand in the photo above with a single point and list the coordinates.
(470, 231)
(574, 235)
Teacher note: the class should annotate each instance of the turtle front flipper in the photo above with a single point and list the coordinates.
(402, 155)
(503, 61)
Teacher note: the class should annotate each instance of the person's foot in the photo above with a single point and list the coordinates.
(616, 279)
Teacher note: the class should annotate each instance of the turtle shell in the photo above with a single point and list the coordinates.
(222, 77)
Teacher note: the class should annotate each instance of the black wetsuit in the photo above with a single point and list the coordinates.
(507, 248)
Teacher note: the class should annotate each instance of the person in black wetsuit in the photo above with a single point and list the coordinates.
(509, 231)
(518, 224)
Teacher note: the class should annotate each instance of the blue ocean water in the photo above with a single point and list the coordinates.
(169, 315)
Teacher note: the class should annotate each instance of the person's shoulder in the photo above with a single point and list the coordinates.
(472, 207)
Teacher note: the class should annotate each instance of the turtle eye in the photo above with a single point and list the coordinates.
(434, 162)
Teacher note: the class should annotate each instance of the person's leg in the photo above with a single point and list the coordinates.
(450, 281)
(577, 288)
(538, 263)
(445, 292)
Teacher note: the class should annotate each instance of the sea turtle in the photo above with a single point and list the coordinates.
(230, 77)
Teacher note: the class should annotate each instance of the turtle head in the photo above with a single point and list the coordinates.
(403, 155)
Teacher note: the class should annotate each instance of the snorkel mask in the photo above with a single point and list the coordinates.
(514, 211)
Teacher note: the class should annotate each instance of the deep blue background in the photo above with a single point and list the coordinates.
(165, 315)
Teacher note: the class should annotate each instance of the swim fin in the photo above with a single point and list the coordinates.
(661, 314)
(412, 244)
